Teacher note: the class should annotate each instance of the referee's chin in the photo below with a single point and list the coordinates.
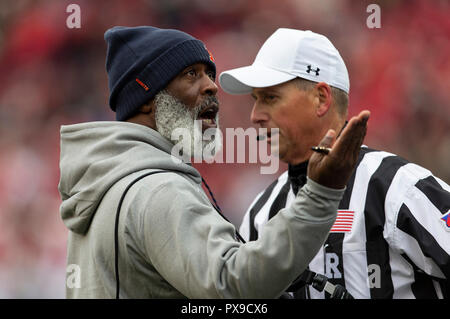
(292, 159)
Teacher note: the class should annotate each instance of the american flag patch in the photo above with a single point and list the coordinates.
(344, 222)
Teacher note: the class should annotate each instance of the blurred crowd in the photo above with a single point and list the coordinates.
(51, 75)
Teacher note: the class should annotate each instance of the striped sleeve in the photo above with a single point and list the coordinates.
(258, 213)
(416, 204)
(244, 229)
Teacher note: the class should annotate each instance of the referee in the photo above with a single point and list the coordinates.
(391, 238)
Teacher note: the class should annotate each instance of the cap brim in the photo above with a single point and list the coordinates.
(243, 80)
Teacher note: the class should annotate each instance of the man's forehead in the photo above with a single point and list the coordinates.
(277, 87)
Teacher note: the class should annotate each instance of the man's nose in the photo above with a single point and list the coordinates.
(257, 116)
(209, 87)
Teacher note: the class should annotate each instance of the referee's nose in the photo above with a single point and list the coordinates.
(258, 116)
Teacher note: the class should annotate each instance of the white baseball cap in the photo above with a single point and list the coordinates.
(285, 55)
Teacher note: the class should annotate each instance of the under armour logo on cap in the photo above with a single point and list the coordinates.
(309, 70)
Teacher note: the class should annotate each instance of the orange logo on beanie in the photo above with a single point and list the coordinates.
(210, 54)
(142, 84)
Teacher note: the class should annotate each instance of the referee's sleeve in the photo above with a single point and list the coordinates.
(420, 230)
(246, 224)
(244, 229)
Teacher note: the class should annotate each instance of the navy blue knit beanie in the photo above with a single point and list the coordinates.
(141, 61)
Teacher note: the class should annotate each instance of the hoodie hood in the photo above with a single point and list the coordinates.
(95, 155)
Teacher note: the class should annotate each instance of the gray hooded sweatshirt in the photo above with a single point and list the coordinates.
(172, 242)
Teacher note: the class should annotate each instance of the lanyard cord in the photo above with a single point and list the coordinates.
(217, 208)
(116, 228)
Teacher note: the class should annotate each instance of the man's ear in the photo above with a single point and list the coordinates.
(324, 93)
(145, 115)
(148, 108)
(148, 112)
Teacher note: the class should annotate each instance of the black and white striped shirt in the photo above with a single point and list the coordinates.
(399, 242)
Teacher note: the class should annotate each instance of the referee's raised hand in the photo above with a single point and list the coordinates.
(335, 168)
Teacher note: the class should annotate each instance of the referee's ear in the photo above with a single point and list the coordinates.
(325, 98)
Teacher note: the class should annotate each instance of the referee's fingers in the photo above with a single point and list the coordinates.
(358, 139)
(352, 136)
(328, 139)
(358, 134)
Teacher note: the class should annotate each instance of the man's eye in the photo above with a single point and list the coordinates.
(211, 75)
(270, 98)
(191, 72)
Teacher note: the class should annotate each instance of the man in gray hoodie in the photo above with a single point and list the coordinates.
(140, 225)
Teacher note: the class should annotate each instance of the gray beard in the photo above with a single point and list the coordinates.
(171, 114)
